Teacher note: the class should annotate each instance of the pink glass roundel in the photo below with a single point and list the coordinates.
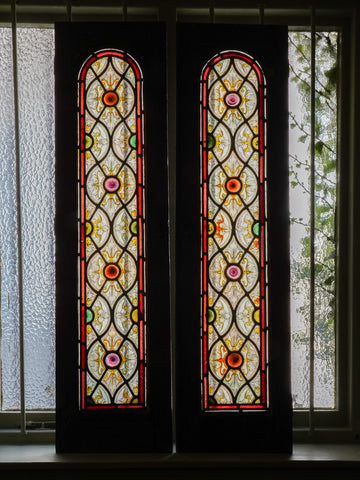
(112, 360)
(111, 184)
(232, 99)
(233, 272)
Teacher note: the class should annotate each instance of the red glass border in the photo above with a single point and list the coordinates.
(262, 237)
(140, 199)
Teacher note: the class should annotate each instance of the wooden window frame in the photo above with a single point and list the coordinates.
(149, 428)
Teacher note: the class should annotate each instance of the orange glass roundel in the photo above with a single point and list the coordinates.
(110, 99)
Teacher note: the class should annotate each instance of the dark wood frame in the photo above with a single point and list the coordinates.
(112, 431)
(244, 431)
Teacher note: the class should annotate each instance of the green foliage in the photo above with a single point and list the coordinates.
(331, 76)
(326, 79)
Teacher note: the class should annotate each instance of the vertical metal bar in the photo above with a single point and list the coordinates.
(125, 11)
(68, 10)
(19, 232)
(169, 14)
(212, 11)
(312, 224)
(261, 14)
(354, 217)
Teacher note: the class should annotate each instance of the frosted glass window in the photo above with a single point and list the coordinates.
(326, 138)
(37, 152)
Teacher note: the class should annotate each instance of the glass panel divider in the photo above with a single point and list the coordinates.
(19, 233)
(312, 224)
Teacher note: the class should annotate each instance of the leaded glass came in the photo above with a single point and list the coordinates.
(233, 225)
(112, 261)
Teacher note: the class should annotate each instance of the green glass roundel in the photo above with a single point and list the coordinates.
(132, 141)
(88, 141)
(89, 314)
(134, 227)
(210, 141)
(256, 228)
(211, 315)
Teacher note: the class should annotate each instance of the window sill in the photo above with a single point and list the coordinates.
(327, 458)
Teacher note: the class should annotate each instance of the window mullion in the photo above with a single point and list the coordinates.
(312, 224)
(19, 222)
(169, 14)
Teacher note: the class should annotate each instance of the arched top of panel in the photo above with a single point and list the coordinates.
(244, 65)
(121, 61)
(111, 242)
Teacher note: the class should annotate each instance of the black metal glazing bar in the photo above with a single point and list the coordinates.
(19, 232)
(212, 11)
(261, 14)
(312, 226)
(169, 14)
(68, 10)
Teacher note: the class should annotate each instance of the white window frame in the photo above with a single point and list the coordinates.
(343, 423)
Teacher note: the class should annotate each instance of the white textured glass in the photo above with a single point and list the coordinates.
(9, 344)
(36, 133)
(325, 235)
(325, 208)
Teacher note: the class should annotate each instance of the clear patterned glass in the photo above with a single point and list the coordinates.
(326, 132)
(37, 155)
(9, 346)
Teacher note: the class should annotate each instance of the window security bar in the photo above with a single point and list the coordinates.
(24, 423)
(19, 233)
(312, 224)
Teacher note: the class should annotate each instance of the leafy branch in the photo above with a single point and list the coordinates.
(317, 173)
(319, 142)
(317, 229)
(319, 92)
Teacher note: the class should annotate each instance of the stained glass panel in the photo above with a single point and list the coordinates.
(112, 261)
(233, 225)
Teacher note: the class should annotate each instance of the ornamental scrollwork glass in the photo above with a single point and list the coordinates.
(233, 229)
(111, 238)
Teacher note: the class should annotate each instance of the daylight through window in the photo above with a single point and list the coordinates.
(326, 139)
(112, 173)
